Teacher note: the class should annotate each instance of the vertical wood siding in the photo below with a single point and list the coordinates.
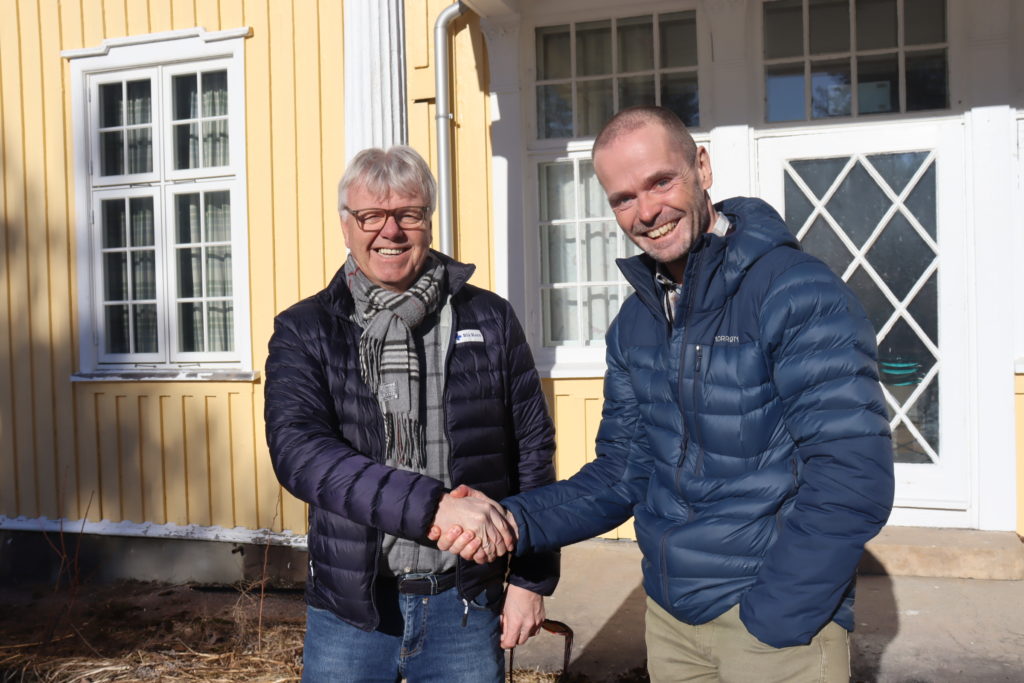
(171, 452)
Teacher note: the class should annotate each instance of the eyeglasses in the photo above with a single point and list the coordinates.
(407, 217)
(558, 628)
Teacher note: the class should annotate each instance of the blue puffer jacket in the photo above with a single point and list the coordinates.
(326, 437)
(749, 440)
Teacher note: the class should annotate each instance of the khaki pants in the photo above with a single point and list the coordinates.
(723, 650)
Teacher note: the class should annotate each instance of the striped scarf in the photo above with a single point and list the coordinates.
(388, 361)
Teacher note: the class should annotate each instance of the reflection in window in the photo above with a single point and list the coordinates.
(898, 60)
(872, 220)
(589, 70)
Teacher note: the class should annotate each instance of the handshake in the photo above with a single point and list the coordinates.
(472, 526)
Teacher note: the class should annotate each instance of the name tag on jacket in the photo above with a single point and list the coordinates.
(463, 336)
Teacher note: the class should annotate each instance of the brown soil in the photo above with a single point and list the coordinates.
(135, 631)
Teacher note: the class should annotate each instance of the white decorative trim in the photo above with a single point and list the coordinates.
(1018, 369)
(122, 375)
(198, 32)
(191, 532)
(375, 107)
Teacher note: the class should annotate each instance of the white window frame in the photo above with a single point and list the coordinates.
(806, 59)
(159, 56)
(578, 360)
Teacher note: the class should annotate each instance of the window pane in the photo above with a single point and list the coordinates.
(215, 143)
(185, 104)
(553, 56)
(601, 248)
(924, 21)
(190, 327)
(559, 258)
(679, 93)
(215, 93)
(678, 39)
(900, 256)
(784, 92)
(876, 24)
(116, 319)
(829, 26)
(218, 271)
(830, 89)
(190, 273)
(112, 153)
(186, 146)
(926, 81)
(594, 48)
(636, 90)
(115, 276)
(221, 323)
(602, 305)
(142, 221)
(877, 84)
(560, 309)
(145, 328)
(636, 44)
(783, 29)
(218, 216)
(113, 223)
(140, 102)
(554, 111)
(110, 105)
(556, 191)
(188, 216)
(144, 274)
(140, 150)
(595, 202)
(593, 105)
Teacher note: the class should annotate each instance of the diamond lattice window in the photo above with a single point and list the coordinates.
(872, 219)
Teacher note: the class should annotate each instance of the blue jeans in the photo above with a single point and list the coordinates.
(429, 643)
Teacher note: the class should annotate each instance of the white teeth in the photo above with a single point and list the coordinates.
(663, 230)
(383, 251)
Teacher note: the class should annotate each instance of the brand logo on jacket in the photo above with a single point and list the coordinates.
(463, 336)
(727, 339)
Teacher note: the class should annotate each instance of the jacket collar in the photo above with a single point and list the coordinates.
(716, 265)
(337, 298)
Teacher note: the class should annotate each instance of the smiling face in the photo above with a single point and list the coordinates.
(657, 194)
(391, 257)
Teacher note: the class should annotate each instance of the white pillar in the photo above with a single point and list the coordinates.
(375, 112)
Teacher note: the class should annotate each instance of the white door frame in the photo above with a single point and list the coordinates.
(938, 494)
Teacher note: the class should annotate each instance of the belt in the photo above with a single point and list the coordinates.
(426, 584)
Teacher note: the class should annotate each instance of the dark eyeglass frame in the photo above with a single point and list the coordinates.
(392, 213)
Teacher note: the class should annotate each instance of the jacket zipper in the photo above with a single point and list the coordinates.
(696, 420)
(690, 289)
(447, 435)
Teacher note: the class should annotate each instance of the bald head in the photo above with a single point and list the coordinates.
(634, 118)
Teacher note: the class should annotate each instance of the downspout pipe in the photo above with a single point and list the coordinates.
(442, 118)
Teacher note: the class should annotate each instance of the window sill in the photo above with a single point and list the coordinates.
(136, 375)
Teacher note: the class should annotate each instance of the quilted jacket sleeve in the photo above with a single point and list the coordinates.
(535, 436)
(821, 348)
(602, 494)
(315, 463)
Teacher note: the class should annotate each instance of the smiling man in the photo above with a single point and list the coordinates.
(394, 384)
(743, 427)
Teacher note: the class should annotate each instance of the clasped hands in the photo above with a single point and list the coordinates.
(472, 526)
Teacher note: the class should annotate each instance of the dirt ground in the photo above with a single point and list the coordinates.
(134, 631)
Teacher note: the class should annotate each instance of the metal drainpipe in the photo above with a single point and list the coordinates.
(443, 121)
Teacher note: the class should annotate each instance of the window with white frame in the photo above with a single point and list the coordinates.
(828, 58)
(585, 72)
(160, 154)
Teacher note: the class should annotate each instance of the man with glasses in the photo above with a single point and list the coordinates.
(396, 383)
(744, 428)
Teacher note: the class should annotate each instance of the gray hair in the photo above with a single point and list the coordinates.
(380, 172)
(634, 118)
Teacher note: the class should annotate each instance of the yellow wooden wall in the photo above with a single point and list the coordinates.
(181, 452)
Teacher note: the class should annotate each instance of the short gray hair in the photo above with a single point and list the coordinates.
(380, 172)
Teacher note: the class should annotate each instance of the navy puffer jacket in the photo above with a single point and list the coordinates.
(326, 437)
(750, 440)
